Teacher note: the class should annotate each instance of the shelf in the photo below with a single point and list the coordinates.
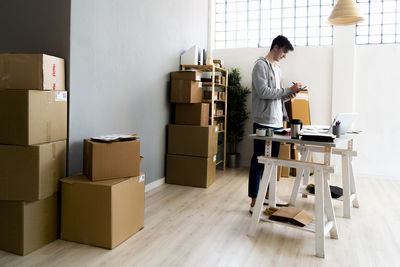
(215, 84)
(204, 67)
(221, 131)
(215, 100)
(309, 227)
(219, 162)
(218, 116)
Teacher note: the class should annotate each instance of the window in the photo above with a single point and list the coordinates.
(255, 23)
(381, 23)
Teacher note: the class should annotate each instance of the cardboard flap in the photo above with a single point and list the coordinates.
(115, 138)
(292, 215)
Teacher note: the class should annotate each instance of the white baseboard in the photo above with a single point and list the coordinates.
(154, 184)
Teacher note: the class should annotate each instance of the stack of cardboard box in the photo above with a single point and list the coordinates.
(192, 142)
(33, 121)
(104, 206)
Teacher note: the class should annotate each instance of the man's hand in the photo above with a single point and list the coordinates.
(291, 96)
(295, 87)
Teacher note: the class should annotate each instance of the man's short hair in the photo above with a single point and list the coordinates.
(282, 42)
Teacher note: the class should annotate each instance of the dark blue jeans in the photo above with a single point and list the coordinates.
(257, 169)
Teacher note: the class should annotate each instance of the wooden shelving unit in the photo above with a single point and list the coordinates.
(220, 102)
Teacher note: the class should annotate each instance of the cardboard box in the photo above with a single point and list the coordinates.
(31, 172)
(187, 75)
(208, 95)
(186, 91)
(29, 117)
(101, 213)
(32, 71)
(190, 171)
(102, 161)
(28, 226)
(299, 108)
(200, 141)
(284, 153)
(192, 114)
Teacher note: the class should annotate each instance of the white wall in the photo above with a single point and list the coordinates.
(364, 80)
(121, 55)
(376, 100)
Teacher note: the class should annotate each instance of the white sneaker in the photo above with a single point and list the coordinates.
(279, 202)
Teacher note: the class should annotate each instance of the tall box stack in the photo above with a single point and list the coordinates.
(104, 206)
(33, 133)
(192, 142)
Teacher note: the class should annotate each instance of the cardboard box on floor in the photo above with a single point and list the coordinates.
(189, 140)
(292, 215)
(29, 117)
(183, 91)
(31, 172)
(28, 226)
(102, 213)
(188, 75)
(192, 114)
(102, 161)
(32, 71)
(284, 153)
(190, 171)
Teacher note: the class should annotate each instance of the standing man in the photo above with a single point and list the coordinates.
(268, 109)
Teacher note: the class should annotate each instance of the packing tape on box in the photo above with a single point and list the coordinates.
(5, 71)
(53, 151)
(48, 131)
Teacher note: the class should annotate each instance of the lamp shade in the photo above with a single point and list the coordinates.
(345, 12)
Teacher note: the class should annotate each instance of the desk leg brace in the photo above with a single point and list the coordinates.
(300, 172)
(255, 218)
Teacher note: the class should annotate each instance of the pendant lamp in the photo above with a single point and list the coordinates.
(345, 12)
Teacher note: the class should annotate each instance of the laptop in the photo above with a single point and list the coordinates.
(346, 121)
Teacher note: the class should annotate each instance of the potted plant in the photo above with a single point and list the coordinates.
(237, 115)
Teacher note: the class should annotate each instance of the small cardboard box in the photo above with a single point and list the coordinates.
(190, 171)
(192, 114)
(102, 213)
(29, 117)
(32, 71)
(28, 226)
(186, 91)
(187, 75)
(102, 161)
(189, 140)
(31, 172)
(208, 95)
(292, 215)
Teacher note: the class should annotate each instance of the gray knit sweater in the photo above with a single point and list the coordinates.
(265, 95)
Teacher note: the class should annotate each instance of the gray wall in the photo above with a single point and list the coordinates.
(121, 55)
(40, 26)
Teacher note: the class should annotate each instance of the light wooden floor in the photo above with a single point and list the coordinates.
(187, 226)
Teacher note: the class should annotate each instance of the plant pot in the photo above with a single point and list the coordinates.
(232, 160)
